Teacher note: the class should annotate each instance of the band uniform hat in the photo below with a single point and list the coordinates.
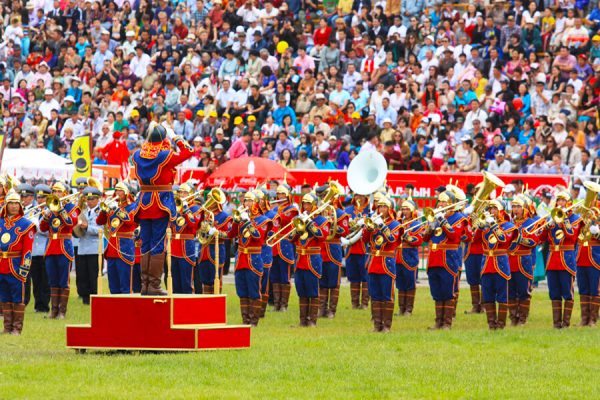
(25, 189)
(91, 192)
(42, 190)
(81, 182)
(59, 186)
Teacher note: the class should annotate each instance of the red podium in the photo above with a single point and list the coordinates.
(165, 323)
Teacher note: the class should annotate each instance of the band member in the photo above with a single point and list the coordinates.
(520, 260)
(87, 267)
(498, 233)
(39, 278)
(332, 255)
(383, 239)
(562, 264)
(266, 251)
(356, 259)
(155, 166)
(59, 221)
(407, 257)
(183, 243)
(283, 252)
(211, 216)
(308, 259)
(16, 242)
(473, 263)
(588, 271)
(118, 214)
(445, 258)
(251, 230)
(26, 192)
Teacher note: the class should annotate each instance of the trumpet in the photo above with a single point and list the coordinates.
(53, 203)
(109, 205)
(236, 214)
(558, 215)
(370, 222)
(181, 204)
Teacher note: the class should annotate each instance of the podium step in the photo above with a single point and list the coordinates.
(169, 323)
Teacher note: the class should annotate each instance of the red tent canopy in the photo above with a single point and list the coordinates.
(248, 172)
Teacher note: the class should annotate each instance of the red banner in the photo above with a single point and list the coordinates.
(424, 182)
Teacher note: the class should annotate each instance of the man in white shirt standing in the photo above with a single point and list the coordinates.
(476, 113)
(583, 169)
(139, 62)
(48, 104)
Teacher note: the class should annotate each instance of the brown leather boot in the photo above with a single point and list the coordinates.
(523, 311)
(502, 311)
(594, 307)
(285, 296)
(455, 304)
(377, 316)
(264, 302)
(557, 313)
(439, 315)
(323, 301)
(388, 315)
(490, 312)
(7, 312)
(18, 317)
(313, 311)
(1, 308)
(144, 267)
(364, 292)
(63, 302)
(401, 302)
(567, 312)
(276, 296)
(334, 295)
(409, 304)
(449, 310)
(303, 302)
(355, 295)
(476, 307)
(513, 308)
(208, 289)
(255, 310)
(54, 300)
(244, 309)
(155, 273)
(586, 303)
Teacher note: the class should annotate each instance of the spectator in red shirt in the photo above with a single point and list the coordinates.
(116, 152)
(392, 157)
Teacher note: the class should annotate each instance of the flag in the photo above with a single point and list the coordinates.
(81, 158)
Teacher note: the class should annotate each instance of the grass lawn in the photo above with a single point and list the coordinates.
(340, 358)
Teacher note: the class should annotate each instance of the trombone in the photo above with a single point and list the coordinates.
(429, 214)
(53, 204)
(557, 214)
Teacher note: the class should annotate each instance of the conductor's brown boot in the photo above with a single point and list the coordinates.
(18, 317)
(567, 312)
(557, 313)
(355, 294)
(157, 265)
(255, 310)
(245, 310)
(63, 302)
(7, 312)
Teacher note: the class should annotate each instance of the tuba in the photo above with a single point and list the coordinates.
(215, 196)
(588, 210)
(367, 172)
(489, 184)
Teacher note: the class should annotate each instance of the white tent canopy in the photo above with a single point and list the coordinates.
(38, 164)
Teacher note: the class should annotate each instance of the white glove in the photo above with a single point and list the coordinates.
(594, 229)
(551, 224)
(345, 242)
(304, 216)
(431, 225)
(46, 213)
(490, 220)
(468, 211)
(360, 223)
(170, 133)
(378, 220)
(212, 230)
(244, 216)
(440, 217)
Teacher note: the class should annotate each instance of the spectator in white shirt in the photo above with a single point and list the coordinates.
(139, 62)
(500, 165)
(48, 104)
(476, 113)
(583, 169)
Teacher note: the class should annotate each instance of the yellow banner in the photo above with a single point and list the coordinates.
(81, 157)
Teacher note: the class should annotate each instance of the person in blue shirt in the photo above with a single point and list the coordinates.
(526, 132)
(497, 145)
(75, 90)
(282, 110)
(323, 162)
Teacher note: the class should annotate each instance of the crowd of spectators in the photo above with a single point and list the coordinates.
(506, 86)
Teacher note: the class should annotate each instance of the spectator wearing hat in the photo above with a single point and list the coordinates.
(48, 104)
(499, 165)
(210, 125)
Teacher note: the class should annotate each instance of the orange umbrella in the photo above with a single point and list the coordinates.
(249, 172)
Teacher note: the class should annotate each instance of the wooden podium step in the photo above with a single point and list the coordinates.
(167, 323)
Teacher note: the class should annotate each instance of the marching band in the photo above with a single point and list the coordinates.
(376, 240)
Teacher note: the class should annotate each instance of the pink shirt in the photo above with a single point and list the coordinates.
(238, 149)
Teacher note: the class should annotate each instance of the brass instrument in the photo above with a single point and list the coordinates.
(334, 224)
(215, 196)
(370, 222)
(489, 184)
(236, 214)
(587, 210)
(53, 203)
(109, 205)
(429, 214)
(300, 222)
(557, 215)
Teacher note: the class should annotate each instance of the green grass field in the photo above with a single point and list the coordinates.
(340, 358)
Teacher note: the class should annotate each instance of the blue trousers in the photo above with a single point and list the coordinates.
(406, 279)
(264, 281)
(588, 281)
(307, 284)
(152, 233)
(473, 269)
(494, 288)
(280, 271)
(119, 276)
(441, 284)
(57, 269)
(12, 290)
(136, 278)
(247, 284)
(330, 278)
(356, 268)
(206, 270)
(381, 287)
(560, 285)
(182, 273)
(519, 286)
